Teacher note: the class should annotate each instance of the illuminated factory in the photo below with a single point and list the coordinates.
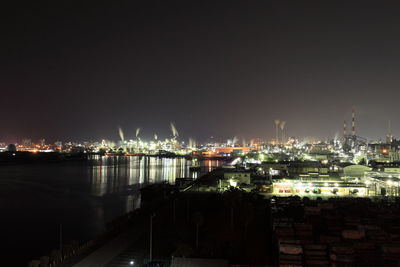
(347, 166)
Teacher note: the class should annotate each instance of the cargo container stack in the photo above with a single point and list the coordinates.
(315, 255)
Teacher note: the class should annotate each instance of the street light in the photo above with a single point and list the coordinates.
(131, 263)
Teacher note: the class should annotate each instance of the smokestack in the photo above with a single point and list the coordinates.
(353, 123)
(283, 124)
(277, 122)
(137, 132)
(121, 134)
(174, 130)
(344, 129)
(390, 137)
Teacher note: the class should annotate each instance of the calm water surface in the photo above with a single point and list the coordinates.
(82, 196)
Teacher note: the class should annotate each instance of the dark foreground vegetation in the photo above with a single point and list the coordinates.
(247, 230)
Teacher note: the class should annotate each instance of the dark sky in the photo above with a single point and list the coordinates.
(78, 69)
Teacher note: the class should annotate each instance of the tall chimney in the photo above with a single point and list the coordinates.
(282, 125)
(277, 122)
(353, 123)
(390, 137)
(344, 129)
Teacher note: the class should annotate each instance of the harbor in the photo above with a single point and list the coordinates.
(221, 198)
(82, 196)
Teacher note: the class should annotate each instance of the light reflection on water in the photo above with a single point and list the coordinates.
(82, 196)
(125, 175)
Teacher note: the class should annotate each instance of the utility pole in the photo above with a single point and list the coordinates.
(61, 242)
(151, 236)
(174, 211)
(197, 235)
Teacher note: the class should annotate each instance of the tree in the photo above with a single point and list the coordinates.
(362, 162)
(11, 148)
(34, 263)
(198, 219)
(55, 255)
(44, 261)
(246, 214)
(183, 250)
(232, 199)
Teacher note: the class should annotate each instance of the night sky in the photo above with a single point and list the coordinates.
(76, 70)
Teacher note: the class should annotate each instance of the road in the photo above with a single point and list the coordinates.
(106, 253)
